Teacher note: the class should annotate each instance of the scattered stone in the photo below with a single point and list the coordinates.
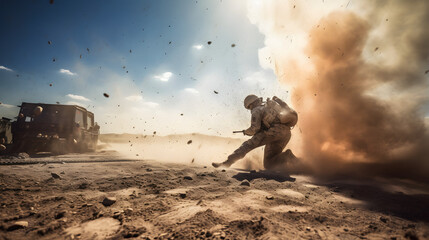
(108, 201)
(56, 176)
(18, 225)
(118, 215)
(132, 232)
(149, 170)
(308, 229)
(411, 235)
(269, 197)
(182, 195)
(83, 185)
(60, 214)
(245, 183)
(23, 155)
(187, 178)
(128, 211)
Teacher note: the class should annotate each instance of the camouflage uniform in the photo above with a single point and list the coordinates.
(275, 136)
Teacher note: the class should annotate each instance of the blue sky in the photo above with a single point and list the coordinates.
(152, 57)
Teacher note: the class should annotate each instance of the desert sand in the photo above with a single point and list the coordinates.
(128, 193)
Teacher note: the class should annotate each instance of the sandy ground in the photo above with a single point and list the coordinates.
(165, 200)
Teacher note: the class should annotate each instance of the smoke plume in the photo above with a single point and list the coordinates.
(357, 78)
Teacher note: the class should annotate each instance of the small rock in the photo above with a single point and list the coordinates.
(60, 214)
(269, 197)
(182, 195)
(62, 172)
(118, 215)
(56, 176)
(23, 155)
(108, 201)
(149, 170)
(187, 178)
(128, 211)
(308, 229)
(18, 225)
(223, 170)
(83, 185)
(411, 235)
(245, 183)
(346, 230)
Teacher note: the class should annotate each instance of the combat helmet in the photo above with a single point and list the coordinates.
(249, 100)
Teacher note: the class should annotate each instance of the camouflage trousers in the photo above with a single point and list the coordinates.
(275, 140)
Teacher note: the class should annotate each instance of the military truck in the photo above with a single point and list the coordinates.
(54, 128)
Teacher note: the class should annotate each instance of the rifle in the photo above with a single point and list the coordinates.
(242, 131)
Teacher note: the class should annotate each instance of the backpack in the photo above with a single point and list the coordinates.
(277, 109)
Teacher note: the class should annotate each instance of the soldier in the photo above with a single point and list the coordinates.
(266, 129)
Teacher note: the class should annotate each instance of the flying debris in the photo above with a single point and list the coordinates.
(154, 132)
(216, 92)
(80, 56)
(87, 49)
(130, 51)
(209, 42)
(106, 95)
(51, 1)
(53, 59)
(427, 71)
(50, 84)
(181, 114)
(375, 49)
(49, 42)
(233, 45)
(189, 142)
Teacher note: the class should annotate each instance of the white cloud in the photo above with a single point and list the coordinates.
(6, 105)
(192, 90)
(134, 98)
(65, 71)
(151, 104)
(5, 68)
(77, 97)
(164, 77)
(74, 103)
(198, 47)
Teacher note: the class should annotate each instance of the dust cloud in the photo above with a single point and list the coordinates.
(357, 79)
(195, 149)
